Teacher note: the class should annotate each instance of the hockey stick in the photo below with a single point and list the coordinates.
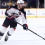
(33, 32)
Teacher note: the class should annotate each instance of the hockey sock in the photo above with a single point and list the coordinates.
(10, 32)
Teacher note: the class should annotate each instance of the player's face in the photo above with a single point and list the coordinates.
(21, 5)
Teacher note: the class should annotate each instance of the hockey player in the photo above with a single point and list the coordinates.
(13, 15)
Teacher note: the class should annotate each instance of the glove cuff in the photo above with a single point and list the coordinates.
(24, 24)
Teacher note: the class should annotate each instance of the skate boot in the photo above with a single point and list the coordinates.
(7, 36)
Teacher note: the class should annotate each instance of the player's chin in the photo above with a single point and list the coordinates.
(21, 6)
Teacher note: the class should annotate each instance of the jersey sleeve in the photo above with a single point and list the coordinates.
(24, 20)
(11, 10)
(7, 10)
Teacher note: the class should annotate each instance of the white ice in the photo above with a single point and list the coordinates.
(22, 37)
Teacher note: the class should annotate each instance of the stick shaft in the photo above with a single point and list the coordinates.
(33, 32)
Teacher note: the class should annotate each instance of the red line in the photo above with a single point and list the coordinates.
(2, 12)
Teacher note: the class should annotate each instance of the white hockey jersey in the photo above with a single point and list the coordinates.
(19, 14)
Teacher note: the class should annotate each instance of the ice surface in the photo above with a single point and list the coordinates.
(22, 37)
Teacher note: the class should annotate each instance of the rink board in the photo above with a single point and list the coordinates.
(30, 13)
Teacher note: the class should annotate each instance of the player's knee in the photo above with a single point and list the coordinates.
(11, 30)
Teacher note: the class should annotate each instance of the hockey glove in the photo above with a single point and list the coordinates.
(12, 18)
(25, 26)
